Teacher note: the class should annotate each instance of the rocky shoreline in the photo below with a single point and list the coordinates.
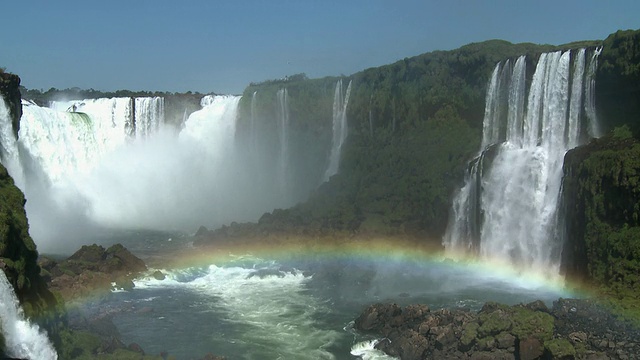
(570, 329)
(83, 279)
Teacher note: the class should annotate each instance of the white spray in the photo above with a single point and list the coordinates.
(22, 338)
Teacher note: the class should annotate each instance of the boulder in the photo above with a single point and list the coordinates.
(530, 348)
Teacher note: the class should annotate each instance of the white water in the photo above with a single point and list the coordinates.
(9, 153)
(276, 315)
(23, 339)
(508, 206)
(366, 350)
(98, 167)
(283, 134)
(340, 129)
(590, 95)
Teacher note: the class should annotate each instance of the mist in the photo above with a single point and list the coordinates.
(85, 175)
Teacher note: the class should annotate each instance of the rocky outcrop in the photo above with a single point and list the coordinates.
(18, 255)
(10, 90)
(91, 270)
(600, 199)
(570, 329)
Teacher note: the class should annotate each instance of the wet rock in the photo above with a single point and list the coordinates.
(529, 331)
(560, 349)
(158, 275)
(411, 345)
(530, 349)
(505, 341)
(135, 348)
(377, 316)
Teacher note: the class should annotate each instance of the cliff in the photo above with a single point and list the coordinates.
(18, 254)
(601, 197)
(10, 90)
(601, 184)
(618, 81)
(413, 126)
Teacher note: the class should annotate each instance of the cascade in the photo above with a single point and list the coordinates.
(253, 131)
(283, 133)
(22, 339)
(9, 152)
(149, 115)
(84, 170)
(340, 103)
(590, 93)
(507, 208)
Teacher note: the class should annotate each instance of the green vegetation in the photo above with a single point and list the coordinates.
(413, 126)
(602, 187)
(560, 349)
(618, 81)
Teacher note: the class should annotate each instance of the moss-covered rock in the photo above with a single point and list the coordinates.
(560, 349)
(528, 323)
(18, 256)
(469, 336)
(601, 192)
(92, 270)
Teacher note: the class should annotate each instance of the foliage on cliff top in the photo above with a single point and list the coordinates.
(618, 81)
(413, 125)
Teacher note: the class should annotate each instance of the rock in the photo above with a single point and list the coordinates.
(493, 323)
(210, 356)
(469, 335)
(578, 337)
(376, 316)
(486, 344)
(202, 231)
(492, 355)
(505, 341)
(560, 349)
(158, 275)
(92, 269)
(444, 336)
(135, 348)
(530, 349)
(537, 305)
(529, 331)
(412, 346)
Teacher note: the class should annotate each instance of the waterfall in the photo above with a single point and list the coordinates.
(590, 95)
(283, 133)
(508, 205)
(149, 115)
(340, 103)
(22, 338)
(9, 152)
(253, 131)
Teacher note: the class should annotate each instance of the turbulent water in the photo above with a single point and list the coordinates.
(508, 206)
(22, 338)
(251, 306)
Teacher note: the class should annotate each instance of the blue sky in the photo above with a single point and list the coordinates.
(221, 46)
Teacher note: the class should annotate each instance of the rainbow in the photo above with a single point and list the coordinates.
(381, 250)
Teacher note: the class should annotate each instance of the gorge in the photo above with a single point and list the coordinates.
(309, 167)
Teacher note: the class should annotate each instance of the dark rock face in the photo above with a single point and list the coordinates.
(10, 90)
(571, 329)
(602, 219)
(18, 256)
(93, 268)
(618, 81)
